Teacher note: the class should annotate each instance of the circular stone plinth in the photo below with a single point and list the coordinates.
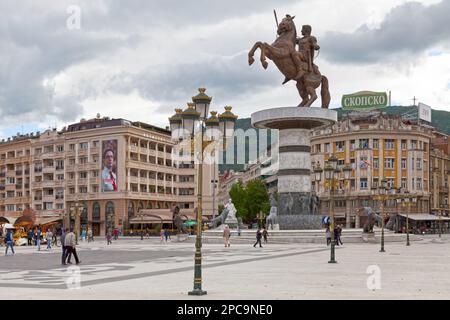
(293, 118)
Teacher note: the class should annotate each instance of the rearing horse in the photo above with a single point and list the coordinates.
(280, 52)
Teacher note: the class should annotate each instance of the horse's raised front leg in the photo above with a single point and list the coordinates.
(252, 52)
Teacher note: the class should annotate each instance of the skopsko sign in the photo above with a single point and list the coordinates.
(364, 100)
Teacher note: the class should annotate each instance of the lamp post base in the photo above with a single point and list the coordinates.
(382, 250)
(332, 261)
(197, 292)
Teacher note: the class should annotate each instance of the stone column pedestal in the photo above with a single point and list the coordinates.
(294, 174)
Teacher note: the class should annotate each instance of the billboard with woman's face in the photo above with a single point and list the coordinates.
(109, 166)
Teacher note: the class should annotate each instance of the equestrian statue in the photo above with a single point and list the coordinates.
(297, 65)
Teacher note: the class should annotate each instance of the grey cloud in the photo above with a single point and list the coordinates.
(223, 77)
(35, 46)
(407, 30)
(144, 13)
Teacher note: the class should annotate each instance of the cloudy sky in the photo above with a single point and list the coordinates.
(140, 59)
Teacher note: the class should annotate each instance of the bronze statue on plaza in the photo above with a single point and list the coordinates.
(178, 221)
(295, 65)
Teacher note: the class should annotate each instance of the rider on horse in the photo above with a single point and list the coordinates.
(304, 57)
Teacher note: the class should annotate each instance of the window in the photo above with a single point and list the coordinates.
(340, 146)
(389, 163)
(390, 182)
(404, 164)
(94, 188)
(38, 151)
(363, 183)
(404, 183)
(363, 143)
(419, 183)
(10, 180)
(83, 189)
(71, 161)
(60, 148)
(419, 163)
(83, 175)
(413, 144)
(72, 147)
(389, 144)
(404, 145)
(95, 144)
(94, 174)
(376, 143)
(412, 163)
(59, 164)
(327, 148)
(59, 206)
(412, 184)
(83, 160)
(48, 205)
(10, 207)
(83, 145)
(375, 163)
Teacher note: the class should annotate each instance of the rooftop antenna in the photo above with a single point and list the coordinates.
(414, 100)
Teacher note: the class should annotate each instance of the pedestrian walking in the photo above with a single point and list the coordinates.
(63, 246)
(226, 236)
(258, 238)
(70, 242)
(265, 234)
(339, 232)
(9, 241)
(336, 235)
(161, 235)
(166, 234)
(328, 235)
(89, 235)
(38, 238)
(108, 238)
(83, 235)
(30, 237)
(55, 238)
(49, 237)
(116, 234)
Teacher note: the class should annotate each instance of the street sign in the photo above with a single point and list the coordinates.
(364, 100)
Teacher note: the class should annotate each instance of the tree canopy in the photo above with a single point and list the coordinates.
(250, 199)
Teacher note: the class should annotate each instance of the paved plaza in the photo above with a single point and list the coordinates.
(136, 269)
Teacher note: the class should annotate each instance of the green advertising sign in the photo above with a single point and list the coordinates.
(364, 100)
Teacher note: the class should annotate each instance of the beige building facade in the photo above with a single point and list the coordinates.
(56, 172)
(377, 147)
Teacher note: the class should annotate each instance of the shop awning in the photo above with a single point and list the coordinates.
(24, 221)
(48, 220)
(10, 220)
(424, 217)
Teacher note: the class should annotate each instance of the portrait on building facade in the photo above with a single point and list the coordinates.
(109, 166)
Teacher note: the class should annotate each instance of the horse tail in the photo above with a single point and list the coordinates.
(325, 93)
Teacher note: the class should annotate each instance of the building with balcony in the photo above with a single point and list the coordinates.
(52, 172)
(377, 147)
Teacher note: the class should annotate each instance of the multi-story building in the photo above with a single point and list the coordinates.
(54, 172)
(440, 177)
(15, 175)
(377, 146)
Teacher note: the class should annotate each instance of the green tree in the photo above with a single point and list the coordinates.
(250, 199)
(257, 198)
(238, 195)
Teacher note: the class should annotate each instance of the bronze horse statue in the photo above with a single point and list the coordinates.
(281, 53)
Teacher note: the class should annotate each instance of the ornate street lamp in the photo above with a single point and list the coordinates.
(195, 125)
(318, 176)
(176, 125)
(75, 209)
(382, 190)
(329, 172)
(408, 204)
(347, 169)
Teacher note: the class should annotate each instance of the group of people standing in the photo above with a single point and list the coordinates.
(164, 235)
(35, 236)
(337, 234)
